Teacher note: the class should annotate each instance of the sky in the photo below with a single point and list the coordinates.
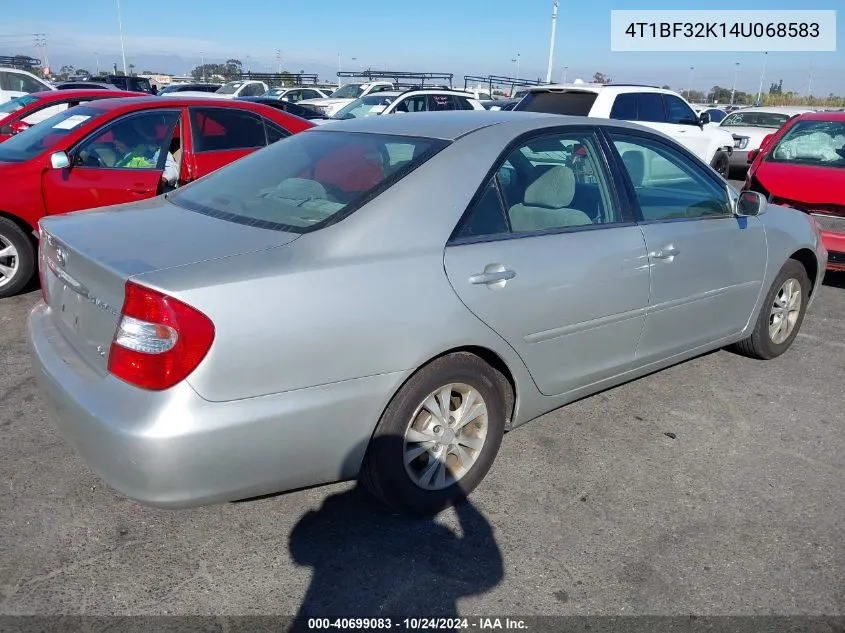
(477, 37)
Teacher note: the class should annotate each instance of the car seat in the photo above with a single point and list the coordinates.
(545, 204)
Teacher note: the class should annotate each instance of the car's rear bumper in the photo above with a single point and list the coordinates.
(175, 449)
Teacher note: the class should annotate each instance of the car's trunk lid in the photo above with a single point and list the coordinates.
(86, 258)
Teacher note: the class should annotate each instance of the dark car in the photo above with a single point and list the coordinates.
(301, 111)
(86, 85)
(199, 87)
(121, 82)
(499, 104)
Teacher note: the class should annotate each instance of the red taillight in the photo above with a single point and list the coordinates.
(159, 340)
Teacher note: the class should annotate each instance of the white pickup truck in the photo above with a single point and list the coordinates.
(345, 95)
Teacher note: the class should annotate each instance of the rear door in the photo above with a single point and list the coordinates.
(707, 265)
(120, 162)
(549, 258)
(220, 136)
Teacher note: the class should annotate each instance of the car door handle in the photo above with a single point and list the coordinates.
(492, 277)
(141, 189)
(667, 252)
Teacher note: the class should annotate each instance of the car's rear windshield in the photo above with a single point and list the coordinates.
(31, 142)
(307, 181)
(16, 104)
(820, 143)
(571, 102)
(772, 120)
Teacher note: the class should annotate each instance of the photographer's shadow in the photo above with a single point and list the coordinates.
(370, 562)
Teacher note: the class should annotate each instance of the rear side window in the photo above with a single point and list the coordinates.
(308, 181)
(221, 129)
(571, 102)
(650, 107)
(624, 107)
(443, 102)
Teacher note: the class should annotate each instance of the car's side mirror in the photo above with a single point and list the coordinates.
(704, 118)
(59, 160)
(751, 203)
(16, 127)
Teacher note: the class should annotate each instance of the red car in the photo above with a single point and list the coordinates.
(23, 112)
(114, 151)
(802, 165)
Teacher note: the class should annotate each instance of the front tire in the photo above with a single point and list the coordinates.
(781, 316)
(17, 259)
(438, 437)
(721, 164)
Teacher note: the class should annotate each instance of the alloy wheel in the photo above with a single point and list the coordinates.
(785, 311)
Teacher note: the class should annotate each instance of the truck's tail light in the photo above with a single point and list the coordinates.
(159, 340)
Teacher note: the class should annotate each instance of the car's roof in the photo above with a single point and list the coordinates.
(451, 125)
(824, 116)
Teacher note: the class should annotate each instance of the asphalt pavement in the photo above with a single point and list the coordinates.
(713, 487)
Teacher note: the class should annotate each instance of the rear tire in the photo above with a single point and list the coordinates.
(17, 258)
(721, 164)
(781, 316)
(420, 461)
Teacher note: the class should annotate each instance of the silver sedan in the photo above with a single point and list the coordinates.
(384, 297)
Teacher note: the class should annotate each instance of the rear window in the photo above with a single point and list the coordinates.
(570, 102)
(39, 138)
(307, 181)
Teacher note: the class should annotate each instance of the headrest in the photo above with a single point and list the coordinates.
(299, 189)
(555, 189)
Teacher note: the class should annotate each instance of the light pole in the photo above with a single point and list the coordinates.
(279, 60)
(516, 59)
(97, 56)
(338, 70)
(689, 89)
(120, 29)
(565, 71)
(733, 90)
(202, 59)
(552, 43)
(810, 84)
(762, 74)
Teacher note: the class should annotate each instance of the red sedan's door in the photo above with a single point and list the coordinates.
(120, 162)
(221, 135)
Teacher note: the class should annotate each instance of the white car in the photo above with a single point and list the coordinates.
(17, 83)
(230, 90)
(296, 94)
(418, 100)
(479, 94)
(662, 110)
(752, 125)
(345, 95)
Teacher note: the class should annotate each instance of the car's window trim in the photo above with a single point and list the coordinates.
(625, 210)
(162, 159)
(679, 151)
(192, 108)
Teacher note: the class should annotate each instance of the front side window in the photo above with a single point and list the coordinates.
(139, 141)
(549, 183)
(365, 106)
(221, 129)
(44, 136)
(668, 185)
(253, 90)
(306, 181)
(808, 142)
(229, 88)
(678, 112)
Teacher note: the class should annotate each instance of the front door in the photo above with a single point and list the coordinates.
(121, 162)
(547, 259)
(707, 265)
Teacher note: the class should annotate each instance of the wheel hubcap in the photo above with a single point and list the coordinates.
(445, 436)
(785, 310)
(8, 261)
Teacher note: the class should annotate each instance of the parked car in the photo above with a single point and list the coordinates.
(659, 109)
(85, 85)
(263, 357)
(479, 94)
(113, 151)
(345, 95)
(716, 115)
(302, 112)
(752, 125)
(296, 94)
(199, 87)
(802, 165)
(230, 90)
(499, 104)
(424, 100)
(16, 83)
(22, 113)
